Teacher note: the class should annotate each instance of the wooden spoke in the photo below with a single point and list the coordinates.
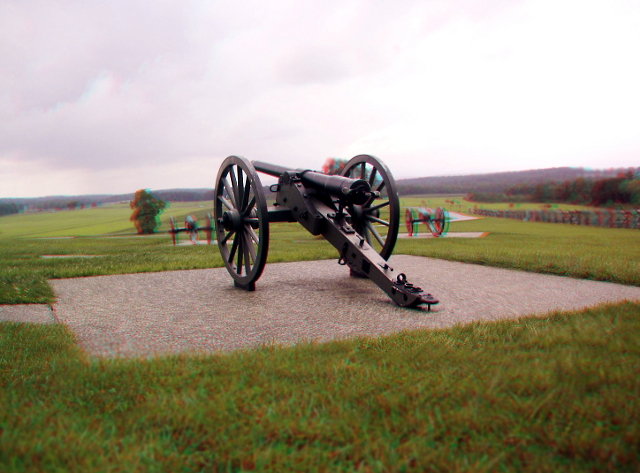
(234, 184)
(250, 206)
(234, 248)
(245, 197)
(375, 233)
(372, 178)
(240, 253)
(240, 194)
(371, 218)
(229, 188)
(227, 236)
(246, 253)
(250, 236)
(367, 235)
(226, 202)
(253, 235)
(369, 210)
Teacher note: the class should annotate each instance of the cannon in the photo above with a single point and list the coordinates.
(191, 227)
(437, 221)
(358, 212)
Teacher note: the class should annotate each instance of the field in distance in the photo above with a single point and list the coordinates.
(605, 254)
(104, 220)
(113, 219)
(461, 205)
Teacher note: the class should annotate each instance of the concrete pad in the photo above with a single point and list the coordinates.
(459, 217)
(32, 313)
(200, 310)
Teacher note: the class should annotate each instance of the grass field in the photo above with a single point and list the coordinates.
(558, 393)
(585, 252)
(461, 205)
(107, 219)
(536, 394)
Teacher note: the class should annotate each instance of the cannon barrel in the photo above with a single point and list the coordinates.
(357, 191)
(270, 169)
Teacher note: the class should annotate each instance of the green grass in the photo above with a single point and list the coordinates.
(553, 393)
(25, 238)
(604, 254)
(462, 205)
(525, 206)
(23, 272)
(107, 219)
(585, 252)
(558, 393)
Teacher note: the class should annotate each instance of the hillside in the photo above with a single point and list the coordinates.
(464, 184)
(496, 182)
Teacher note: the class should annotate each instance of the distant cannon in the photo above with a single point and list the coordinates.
(436, 220)
(191, 227)
(357, 212)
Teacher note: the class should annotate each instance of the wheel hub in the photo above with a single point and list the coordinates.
(231, 220)
(357, 213)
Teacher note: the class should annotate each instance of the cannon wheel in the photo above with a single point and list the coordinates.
(241, 221)
(440, 222)
(445, 221)
(365, 217)
(412, 219)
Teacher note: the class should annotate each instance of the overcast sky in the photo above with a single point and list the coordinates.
(114, 96)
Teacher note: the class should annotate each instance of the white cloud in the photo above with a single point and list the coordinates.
(104, 96)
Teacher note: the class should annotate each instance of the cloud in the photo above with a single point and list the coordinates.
(101, 93)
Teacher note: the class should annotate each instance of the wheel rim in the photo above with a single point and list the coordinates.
(445, 221)
(438, 223)
(241, 223)
(379, 218)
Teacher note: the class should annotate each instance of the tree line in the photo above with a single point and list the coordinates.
(497, 182)
(623, 189)
(9, 208)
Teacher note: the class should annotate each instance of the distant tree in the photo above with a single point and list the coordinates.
(581, 191)
(632, 187)
(146, 211)
(610, 191)
(542, 192)
(9, 208)
(334, 165)
(562, 191)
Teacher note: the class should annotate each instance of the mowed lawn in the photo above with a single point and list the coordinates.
(552, 393)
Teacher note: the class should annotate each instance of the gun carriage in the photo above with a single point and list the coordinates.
(437, 221)
(191, 229)
(358, 212)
